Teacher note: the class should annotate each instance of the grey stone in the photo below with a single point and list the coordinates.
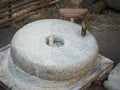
(52, 55)
(113, 82)
(74, 59)
(17, 79)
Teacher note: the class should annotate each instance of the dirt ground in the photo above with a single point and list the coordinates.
(106, 29)
(105, 26)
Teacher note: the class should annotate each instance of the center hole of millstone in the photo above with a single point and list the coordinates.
(54, 41)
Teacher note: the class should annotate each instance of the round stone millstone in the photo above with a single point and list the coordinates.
(54, 50)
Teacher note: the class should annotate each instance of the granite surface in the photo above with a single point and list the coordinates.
(75, 58)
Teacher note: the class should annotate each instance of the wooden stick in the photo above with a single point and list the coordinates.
(4, 4)
(98, 6)
(20, 8)
(53, 2)
(72, 19)
(15, 6)
(9, 21)
(19, 18)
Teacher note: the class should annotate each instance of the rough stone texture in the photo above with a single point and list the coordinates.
(113, 82)
(74, 59)
(17, 79)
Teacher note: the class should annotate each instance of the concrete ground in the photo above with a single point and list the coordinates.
(105, 28)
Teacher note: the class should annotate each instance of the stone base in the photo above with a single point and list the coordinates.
(19, 80)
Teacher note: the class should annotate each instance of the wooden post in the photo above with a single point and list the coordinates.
(72, 19)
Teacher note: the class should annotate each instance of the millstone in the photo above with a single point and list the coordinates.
(52, 54)
(74, 57)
